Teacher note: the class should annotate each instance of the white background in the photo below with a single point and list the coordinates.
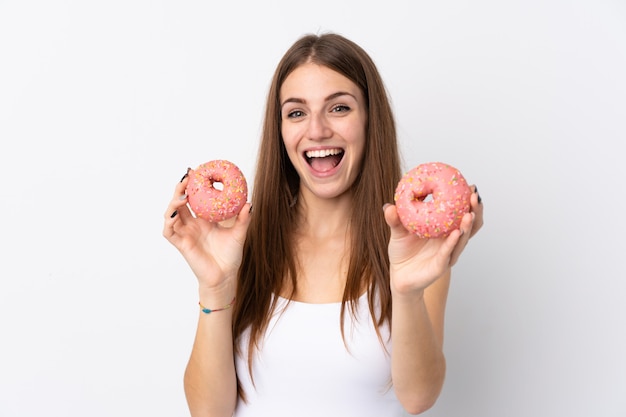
(103, 106)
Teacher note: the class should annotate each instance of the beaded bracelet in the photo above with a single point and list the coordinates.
(209, 311)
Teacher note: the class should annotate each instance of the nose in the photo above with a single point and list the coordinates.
(318, 128)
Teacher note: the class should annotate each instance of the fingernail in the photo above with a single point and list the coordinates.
(182, 197)
(385, 206)
(250, 211)
(480, 200)
(186, 175)
(174, 214)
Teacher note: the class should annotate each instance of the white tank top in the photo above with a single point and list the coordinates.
(302, 367)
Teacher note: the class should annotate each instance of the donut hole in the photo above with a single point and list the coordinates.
(218, 185)
(424, 198)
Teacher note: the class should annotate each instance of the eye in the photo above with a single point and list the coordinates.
(340, 108)
(295, 114)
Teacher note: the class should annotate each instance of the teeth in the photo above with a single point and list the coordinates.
(323, 153)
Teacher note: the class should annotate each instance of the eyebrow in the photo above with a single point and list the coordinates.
(330, 97)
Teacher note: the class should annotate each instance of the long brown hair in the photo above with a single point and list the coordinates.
(268, 254)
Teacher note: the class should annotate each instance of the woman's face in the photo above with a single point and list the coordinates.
(324, 119)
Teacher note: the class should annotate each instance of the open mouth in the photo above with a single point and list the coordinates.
(325, 159)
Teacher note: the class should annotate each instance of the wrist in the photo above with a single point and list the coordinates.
(409, 297)
(405, 288)
(216, 296)
(207, 310)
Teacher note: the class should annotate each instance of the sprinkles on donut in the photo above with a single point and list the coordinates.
(437, 216)
(210, 203)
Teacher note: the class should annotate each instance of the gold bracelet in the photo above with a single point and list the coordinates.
(209, 311)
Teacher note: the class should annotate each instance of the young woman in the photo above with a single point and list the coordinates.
(338, 310)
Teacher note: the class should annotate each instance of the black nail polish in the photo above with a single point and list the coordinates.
(174, 214)
(480, 200)
(250, 209)
(184, 176)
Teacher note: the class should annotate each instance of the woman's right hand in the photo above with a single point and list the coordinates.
(212, 250)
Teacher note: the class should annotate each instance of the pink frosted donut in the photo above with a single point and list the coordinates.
(210, 203)
(439, 215)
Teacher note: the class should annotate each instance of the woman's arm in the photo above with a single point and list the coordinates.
(210, 380)
(420, 272)
(213, 252)
(418, 364)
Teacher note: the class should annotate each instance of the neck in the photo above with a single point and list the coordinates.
(322, 247)
(323, 218)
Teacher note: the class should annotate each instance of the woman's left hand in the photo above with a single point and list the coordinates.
(417, 262)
